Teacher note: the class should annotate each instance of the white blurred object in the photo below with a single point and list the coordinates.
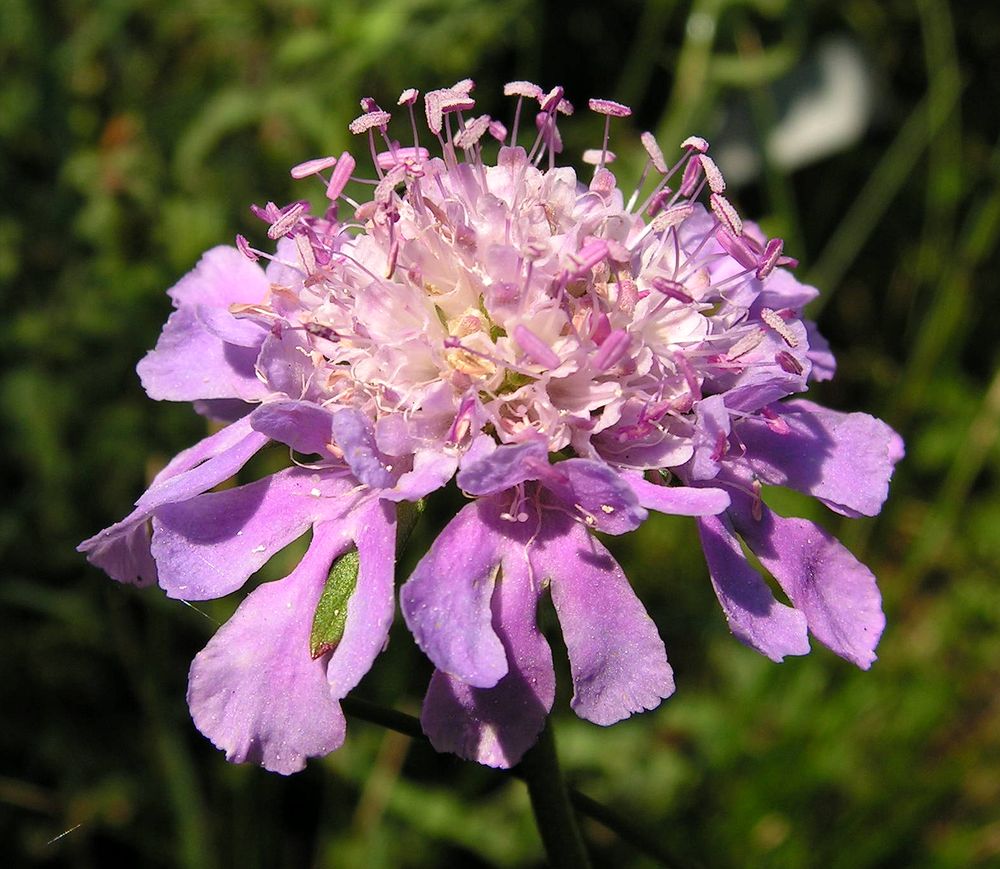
(824, 106)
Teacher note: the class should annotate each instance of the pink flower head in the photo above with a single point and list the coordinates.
(573, 354)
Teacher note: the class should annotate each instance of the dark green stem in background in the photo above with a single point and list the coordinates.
(554, 815)
(623, 827)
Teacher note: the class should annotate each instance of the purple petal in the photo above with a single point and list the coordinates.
(173, 484)
(122, 552)
(233, 330)
(123, 549)
(222, 277)
(824, 365)
(495, 726)
(596, 492)
(836, 592)
(285, 364)
(304, 426)
(210, 545)
(431, 470)
(617, 659)
(446, 601)
(189, 363)
(503, 468)
(355, 436)
(369, 610)
(223, 409)
(255, 690)
(711, 437)
(678, 500)
(844, 459)
(754, 616)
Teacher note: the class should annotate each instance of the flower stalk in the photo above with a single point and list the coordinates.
(550, 802)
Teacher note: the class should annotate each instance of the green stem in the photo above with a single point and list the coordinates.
(554, 815)
(623, 827)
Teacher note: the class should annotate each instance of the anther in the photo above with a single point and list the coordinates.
(724, 211)
(535, 348)
(774, 320)
(312, 167)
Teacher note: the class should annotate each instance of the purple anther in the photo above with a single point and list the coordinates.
(552, 99)
(736, 247)
(408, 97)
(407, 156)
(692, 175)
(787, 362)
(565, 107)
(655, 152)
(523, 89)
(590, 254)
(612, 350)
(312, 167)
(657, 201)
(340, 176)
(721, 447)
(289, 216)
(369, 120)
(609, 107)
(715, 180)
(595, 157)
(671, 289)
(269, 213)
(695, 143)
(774, 422)
(601, 328)
(464, 86)
(243, 246)
(767, 262)
(723, 209)
(535, 348)
(368, 104)
(498, 131)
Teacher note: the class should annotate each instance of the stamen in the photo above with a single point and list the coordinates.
(411, 157)
(535, 348)
(243, 246)
(724, 211)
(767, 263)
(737, 248)
(655, 153)
(612, 350)
(289, 217)
(609, 108)
(340, 176)
(672, 290)
(773, 319)
(596, 157)
(695, 143)
(312, 167)
(715, 180)
(368, 121)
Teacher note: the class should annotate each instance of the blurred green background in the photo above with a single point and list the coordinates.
(133, 135)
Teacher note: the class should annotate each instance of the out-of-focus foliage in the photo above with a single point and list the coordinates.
(133, 135)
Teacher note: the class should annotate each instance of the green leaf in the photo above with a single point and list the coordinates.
(407, 516)
(331, 611)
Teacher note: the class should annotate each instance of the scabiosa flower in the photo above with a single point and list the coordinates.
(573, 354)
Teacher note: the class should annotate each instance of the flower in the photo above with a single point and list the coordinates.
(573, 354)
